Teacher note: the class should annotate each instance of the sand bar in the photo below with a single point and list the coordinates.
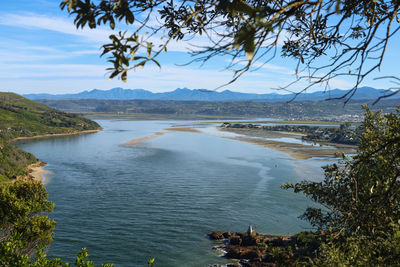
(295, 150)
(137, 140)
(183, 129)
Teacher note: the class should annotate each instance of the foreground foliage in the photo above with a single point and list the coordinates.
(21, 215)
(361, 199)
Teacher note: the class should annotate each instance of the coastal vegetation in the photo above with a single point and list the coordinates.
(361, 198)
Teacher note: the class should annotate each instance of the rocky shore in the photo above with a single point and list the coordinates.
(252, 249)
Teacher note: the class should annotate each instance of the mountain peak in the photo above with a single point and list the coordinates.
(185, 94)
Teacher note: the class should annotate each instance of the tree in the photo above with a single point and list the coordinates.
(351, 37)
(22, 205)
(361, 198)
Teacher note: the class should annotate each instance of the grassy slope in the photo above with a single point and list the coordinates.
(20, 117)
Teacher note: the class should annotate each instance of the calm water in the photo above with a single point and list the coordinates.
(159, 198)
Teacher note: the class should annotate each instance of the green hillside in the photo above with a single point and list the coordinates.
(20, 117)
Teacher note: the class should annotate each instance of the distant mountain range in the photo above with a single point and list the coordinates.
(206, 95)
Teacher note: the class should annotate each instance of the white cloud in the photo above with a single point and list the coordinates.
(39, 71)
(79, 77)
(55, 24)
(28, 54)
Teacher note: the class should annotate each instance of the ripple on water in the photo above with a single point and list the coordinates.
(160, 197)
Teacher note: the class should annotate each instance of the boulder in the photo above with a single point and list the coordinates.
(227, 234)
(235, 240)
(250, 253)
(249, 241)
(216, 235)
(245, 263)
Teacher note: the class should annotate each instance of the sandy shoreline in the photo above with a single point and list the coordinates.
(35, 172)
(54, 135)
(297, 151)
(137, 140)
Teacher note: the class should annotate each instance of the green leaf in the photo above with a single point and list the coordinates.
(149, 49)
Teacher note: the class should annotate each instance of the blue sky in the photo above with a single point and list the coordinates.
(42, 51)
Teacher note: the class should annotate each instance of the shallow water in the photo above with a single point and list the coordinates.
(159, 198)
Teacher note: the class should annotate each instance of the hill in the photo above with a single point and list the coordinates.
(207, 95)
(300, 110)
(20, 117)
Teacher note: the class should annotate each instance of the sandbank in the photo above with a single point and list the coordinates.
(183, 129)
(295, 150)
(137, 140)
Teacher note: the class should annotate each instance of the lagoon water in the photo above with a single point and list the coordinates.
(160, 197)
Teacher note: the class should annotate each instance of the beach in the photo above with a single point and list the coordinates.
(35, 172)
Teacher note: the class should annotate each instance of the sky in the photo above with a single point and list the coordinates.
(41, 51)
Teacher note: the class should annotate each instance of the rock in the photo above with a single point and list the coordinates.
(219, 247)
(245, 247)
(235, 240)
(245, 263)
(227, 265)
(216, 235)
(250, 253)
(241, 234)
(249, 241)
(227, 234)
